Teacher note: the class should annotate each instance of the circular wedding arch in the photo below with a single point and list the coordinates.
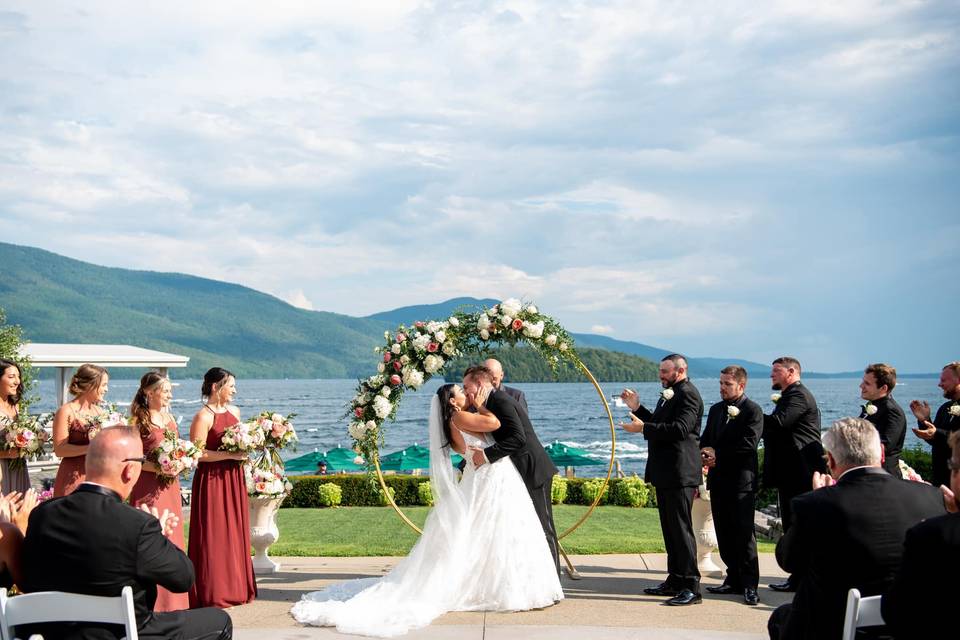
(412, 355)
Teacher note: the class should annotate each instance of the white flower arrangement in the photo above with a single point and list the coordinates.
(954, 410)
(266, 482)
(870, 409)
(667, 394)
(412, 377)
(775, 397)
(732, 412)
(432, 363)
(382, 407)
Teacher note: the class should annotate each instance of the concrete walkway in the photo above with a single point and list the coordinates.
(607, 604)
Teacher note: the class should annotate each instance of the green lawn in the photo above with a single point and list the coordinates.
(378, 531)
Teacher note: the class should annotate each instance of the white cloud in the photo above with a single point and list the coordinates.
(602, 329)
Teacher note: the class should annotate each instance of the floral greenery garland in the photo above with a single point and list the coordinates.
(413, 355)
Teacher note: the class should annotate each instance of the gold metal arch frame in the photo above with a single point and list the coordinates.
(613, 448)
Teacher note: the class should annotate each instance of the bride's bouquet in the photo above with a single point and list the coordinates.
(267, 482)
(242, 437)
(26, 435)
(174, 457)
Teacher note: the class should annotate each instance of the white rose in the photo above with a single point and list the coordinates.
(395, 348)
(404, 359)
(449, 349)
(421, 341)
(375, 381)
(382, 407)
(531, 309)
(551, 339)
(454, 322)
(775, 397)
(563, 346)
(356, 430)
(371, 425)
(954, 410)
(483, 321)
(381, 367)
(432, 363)
(412, 377)
(484, 334)
(493, 310)
(385, 393)
(433, 326)
(506, 320)
(511, 307)
(733, 411)
(440, 335)
(667, 393)
(533, 329)
(870, 408)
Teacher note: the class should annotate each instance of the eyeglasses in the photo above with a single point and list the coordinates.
(141, 459)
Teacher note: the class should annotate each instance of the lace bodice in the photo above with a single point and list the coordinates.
(483, 440)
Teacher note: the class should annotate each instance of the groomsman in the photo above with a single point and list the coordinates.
(729, 449)
(672, 433)
(946, 422)
(883, 412)
(791, 443)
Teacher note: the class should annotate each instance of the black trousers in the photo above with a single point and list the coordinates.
(543, 505)
(209, 623)
(733, 521)
(675, 506)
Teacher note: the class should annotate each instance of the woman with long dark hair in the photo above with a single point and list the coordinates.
(74, 424)
(219, 509)
(149, 415)
(12, 471)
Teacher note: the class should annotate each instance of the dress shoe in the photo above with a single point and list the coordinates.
(750, 596)
(684, 598)
(661, 590)
(723, 590)
(784, 587)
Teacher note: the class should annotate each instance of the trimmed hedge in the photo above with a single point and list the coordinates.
(360, 491)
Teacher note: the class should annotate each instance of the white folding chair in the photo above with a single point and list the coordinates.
(60, 606)
(861, 612)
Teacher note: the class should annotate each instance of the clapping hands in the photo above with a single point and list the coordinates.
(15, 507)
(821, 480)
(921, 411)
(631, 398)
(168, 521)
(634, 426)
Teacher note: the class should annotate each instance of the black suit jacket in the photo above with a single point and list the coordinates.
(672, 432)
(735, 441)
(517, 395)
(845, 536)
(90, 542)
(922, 602)
(940, 453)
(517, 439)
(891, 423)
(792, 449)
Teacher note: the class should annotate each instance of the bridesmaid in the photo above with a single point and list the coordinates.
(219, 512)
(72, 424)
(148, 415)
(14, 476)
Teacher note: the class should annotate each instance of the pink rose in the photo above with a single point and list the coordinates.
(432, 347)
(358, 411)
(418, 324)
(395, 380)
(517, 324)
(401, 337)
(279, 428)
(397, 366)
(387, 357)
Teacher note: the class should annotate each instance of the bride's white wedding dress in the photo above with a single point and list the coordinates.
(482, 549)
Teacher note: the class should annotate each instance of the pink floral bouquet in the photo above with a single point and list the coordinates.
(278, 430)
(25, 435)
(243, 437)
(266, 483)
(174, 457)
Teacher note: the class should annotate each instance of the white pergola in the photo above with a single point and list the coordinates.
(67, 357)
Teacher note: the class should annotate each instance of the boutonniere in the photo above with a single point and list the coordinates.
(666, 394)
(870, 408)
(775, 397)
(954, 410)
(732, 412)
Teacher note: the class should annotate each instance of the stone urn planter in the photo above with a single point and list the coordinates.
(264, 532)
(706, 537)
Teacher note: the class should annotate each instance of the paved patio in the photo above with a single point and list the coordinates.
(607, 604)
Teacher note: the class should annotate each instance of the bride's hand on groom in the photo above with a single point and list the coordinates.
(479, 458)
(479, 400)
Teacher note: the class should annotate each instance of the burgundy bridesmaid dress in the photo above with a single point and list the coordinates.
(220, 529)
(151, 492)
(73, 469)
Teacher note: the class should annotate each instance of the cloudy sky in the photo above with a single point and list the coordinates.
(749, 180)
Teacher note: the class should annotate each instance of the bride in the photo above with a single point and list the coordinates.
(482, 547)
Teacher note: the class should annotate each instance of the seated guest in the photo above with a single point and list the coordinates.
(883, 412)
(91, 542)
(920, 604)
(849, 535)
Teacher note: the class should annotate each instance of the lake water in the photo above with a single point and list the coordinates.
(569, 412)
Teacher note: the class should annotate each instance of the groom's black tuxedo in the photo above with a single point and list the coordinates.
(672, 433)
(517, 439)
(91, 542)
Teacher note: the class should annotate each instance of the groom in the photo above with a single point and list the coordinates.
(516, 438)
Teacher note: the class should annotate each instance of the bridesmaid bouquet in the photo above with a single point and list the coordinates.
(26, 435)
(174, 457)
(111, 417)
(266, 483)
(242, 437)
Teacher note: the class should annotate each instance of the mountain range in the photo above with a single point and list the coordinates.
(59, 299)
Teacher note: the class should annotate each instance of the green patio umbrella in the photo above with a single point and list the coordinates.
(563, 455)
(338, 459)
(413, 457)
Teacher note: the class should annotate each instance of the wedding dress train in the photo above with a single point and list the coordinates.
(482, 549)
